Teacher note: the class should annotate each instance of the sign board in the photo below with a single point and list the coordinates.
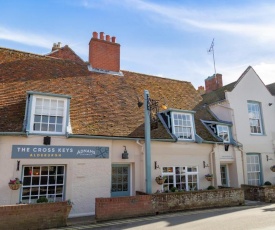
(42, 151)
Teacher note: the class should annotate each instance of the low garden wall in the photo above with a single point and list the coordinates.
(259, 193)
(34, 216)
(142, 205)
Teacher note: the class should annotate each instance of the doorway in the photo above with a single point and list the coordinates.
(224, 176)
(120, 180)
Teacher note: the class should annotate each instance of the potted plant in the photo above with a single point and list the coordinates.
(272, 168)
(160, 180)
(267, 183)
(209, 177)
(15, 184)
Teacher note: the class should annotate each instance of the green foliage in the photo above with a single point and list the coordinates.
(210, 187)
(174, 189)
(267, 183)
(42, 199)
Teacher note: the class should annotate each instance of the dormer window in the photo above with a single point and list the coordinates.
(47, 113)
(223, 133)
(183, 125)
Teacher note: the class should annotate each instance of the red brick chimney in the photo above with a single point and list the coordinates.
(104, 54)
(212, 83)
(201, 90)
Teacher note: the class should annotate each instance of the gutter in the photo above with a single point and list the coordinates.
(81, 136)
(13, 134)
(115, 138)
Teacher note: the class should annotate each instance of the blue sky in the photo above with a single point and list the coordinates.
(164, 38)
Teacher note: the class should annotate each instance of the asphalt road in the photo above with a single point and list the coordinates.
(232, 218)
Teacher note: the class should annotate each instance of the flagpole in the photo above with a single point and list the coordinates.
(212, 49)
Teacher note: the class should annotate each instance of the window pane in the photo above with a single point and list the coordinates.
(45, 113)
(183, 126)
(38, 183)
(181, 179)
(254, 114)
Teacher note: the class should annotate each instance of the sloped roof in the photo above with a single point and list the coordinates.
(271, 88)
(66, 53)
(101, 104)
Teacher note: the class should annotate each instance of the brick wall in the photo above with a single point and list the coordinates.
(142, 205)
(213, 83)
(259, 193)
(67, 54)
(34, 216)
(104, 54)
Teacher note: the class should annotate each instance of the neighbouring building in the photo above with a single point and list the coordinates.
(249, 106)
(71, 129)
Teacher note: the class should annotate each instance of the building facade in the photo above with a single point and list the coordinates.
(76, 130)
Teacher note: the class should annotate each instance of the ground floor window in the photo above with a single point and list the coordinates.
(253, 169)
(43, 181)
(183, 178)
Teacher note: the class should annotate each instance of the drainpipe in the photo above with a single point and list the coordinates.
(147, 130)
(212, 162)
(241, 149)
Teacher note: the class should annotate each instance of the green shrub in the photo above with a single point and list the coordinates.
(42, 199)
(173, 189)
(210, 187)
(267, 183)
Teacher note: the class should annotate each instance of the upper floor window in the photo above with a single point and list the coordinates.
(47, 114)
(183, 125)
(255, 120)
(223, 132)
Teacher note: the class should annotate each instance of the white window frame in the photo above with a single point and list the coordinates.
(222, 130)
(36, 183)
(255, 117)
(178, 125)
(184, 178)
(64, 114)
(253, 169)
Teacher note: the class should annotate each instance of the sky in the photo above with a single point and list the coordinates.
(169, 38)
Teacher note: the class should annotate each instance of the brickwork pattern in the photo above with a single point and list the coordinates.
(66, 53)
(33, 216)
(213, 83)
(104, 55)
(142, 205)
(259, 193)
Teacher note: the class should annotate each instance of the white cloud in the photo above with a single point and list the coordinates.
(266, 72)
(26, 38)
(255, 21)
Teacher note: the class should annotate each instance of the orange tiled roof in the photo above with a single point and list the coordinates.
(101, 104)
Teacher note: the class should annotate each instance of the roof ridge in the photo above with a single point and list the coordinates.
(166, 78)
(24, 52)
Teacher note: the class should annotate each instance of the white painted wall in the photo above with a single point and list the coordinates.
(87, 179)
(250, 87)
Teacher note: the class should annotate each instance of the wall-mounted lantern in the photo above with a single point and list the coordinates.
(125, 154)
(47, 140)
(205, 165)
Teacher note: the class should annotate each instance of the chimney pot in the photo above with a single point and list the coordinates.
(104, 54)
(113, 39)
(107, 38)
(101, 35)
(214, 82)
(95, 35)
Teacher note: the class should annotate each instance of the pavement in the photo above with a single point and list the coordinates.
(86, 220)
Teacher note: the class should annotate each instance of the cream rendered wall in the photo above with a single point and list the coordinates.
(136, 161)
(222, 111)
(180, 154)
(86, 178)
(250, 87)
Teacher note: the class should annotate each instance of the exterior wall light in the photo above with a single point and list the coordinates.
(125, 154)
(204, 164)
